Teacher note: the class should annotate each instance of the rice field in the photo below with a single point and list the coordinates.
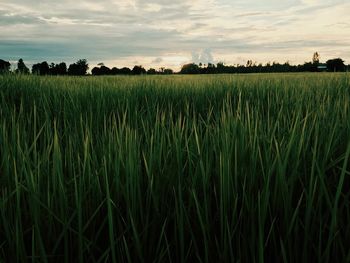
(222, 168)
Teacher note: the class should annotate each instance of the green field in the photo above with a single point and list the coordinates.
(224, 168)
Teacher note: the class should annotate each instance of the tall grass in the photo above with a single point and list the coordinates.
(224, 168)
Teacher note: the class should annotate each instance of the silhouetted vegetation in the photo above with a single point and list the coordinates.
(335, 65)
(151, 71)
(80, 68)
(316, 58)
(41, 68)
(125, 71)
(250, 67)
(190, 68)
(165, 71)
(4, 66)
(102, 70)
(161, 71)
(58, 69)
(44, 68)
(21, 67)
(168, 71)
(138, 70)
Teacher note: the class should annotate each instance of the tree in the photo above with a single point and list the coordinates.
(138, 70)
(125, 71)
(168, 71)
(95, 71)
(41, 68)
(316, 58)
(151, 71)
(115, 71)
(21, 67)
(190, 68)
(336, 64)
(4, 66)
(102, 70)
(58, 69)
(52, 69)
(105, 70)
(79, 68)
(210, 69)
(249, 63)
(61, 69)
(220, 67)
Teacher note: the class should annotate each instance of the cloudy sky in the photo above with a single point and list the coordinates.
(173, 32)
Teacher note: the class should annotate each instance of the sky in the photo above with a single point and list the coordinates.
(170, 33)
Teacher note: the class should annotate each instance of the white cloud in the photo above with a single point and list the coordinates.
(205, 56)
(153, 7)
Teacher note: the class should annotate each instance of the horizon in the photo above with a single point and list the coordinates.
(160, 34)
(90, 66)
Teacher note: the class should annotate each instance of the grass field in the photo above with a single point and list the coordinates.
(224, 168)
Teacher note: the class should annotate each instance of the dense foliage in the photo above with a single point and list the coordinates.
(226, 168)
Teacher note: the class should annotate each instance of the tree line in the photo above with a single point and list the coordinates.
(81, 67)
(332, 65)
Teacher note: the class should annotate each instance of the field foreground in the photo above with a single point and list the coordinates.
(226, 168)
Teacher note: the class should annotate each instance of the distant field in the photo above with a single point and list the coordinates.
(222, 168)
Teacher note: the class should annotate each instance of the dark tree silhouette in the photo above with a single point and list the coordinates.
(161, 71)
(336, 64)
(4, 66)
(41, 68)
(249, 63)
(168, 71)
(79, 68)
(316, 58)
(190, 68)
(138, 70)
(53, 69)
(151, 71)
(61, 69)
(58, 69)
(125, 71)
(221, 67)
(115, 71)
(21, 67)
(95, 71)
(102, 70)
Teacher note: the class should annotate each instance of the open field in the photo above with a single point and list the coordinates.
(225, 168)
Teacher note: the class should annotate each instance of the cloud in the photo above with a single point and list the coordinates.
(159, 31)
(250, 14)
(157, 61)
(8, 18)
(204, 56)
